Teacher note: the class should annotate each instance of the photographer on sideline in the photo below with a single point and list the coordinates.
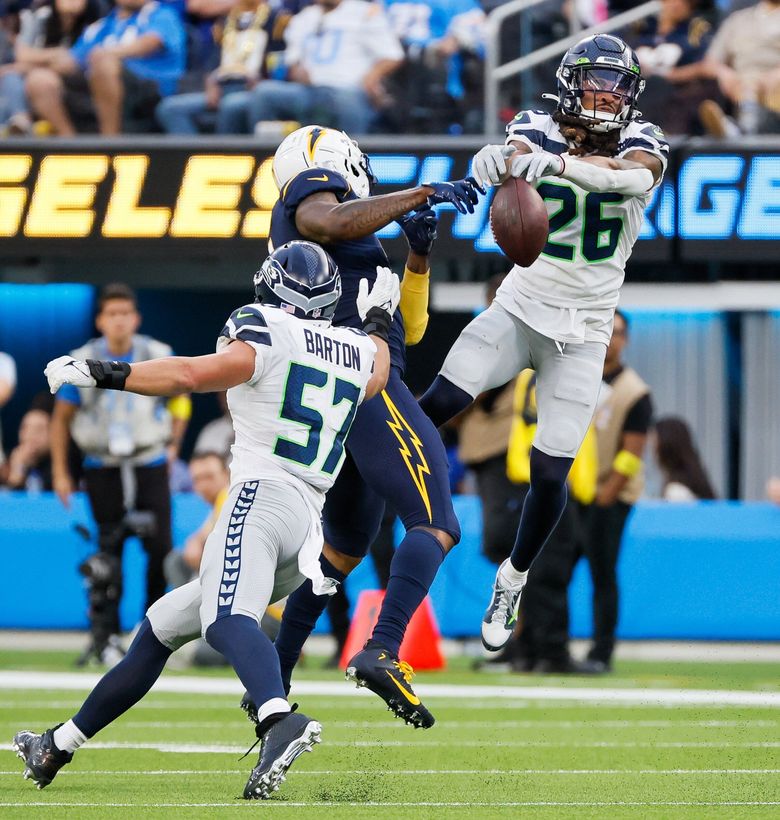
(127, 441)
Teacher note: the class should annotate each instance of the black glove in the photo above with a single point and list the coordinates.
(419, 228)
(463, 194)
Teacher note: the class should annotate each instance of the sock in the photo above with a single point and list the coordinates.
(251, 654)
(69, 737)
(301, 612)
(443, 400)
(125, 684)
(511, 576)
(412, 571)
(275, 706)
(543, 507)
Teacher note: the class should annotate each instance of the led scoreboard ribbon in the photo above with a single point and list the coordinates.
(724, 204)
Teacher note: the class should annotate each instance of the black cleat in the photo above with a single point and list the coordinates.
(42, 759)
(285, 741)
(386, 676)
(248, 705)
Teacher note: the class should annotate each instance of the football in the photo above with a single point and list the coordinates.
(518, 219)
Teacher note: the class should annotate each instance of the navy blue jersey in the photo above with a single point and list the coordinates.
(356, 258)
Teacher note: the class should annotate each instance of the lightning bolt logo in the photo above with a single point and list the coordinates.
(415, 461)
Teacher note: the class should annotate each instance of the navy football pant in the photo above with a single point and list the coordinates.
(394, 454)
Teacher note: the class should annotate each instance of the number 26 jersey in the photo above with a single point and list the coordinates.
(591, 234)
(292, 417)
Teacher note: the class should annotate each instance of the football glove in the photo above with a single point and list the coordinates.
(532, 167)
(419, 227)
(377, 307)
(463, 194)
(489, 164)
(67, 370)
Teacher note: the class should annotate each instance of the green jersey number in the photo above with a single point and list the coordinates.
(600, 234)
(293, 409)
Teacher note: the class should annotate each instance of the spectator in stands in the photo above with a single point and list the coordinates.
(127, 441)
(622, 422)
(249, 36)
(116, 71)
(217, 436)
(339, 53)
(671, 48)
(745, 60)
(29, 463)
(7, 387)
(684, 476)
(211, 481)
(442, 39)
(46, 32)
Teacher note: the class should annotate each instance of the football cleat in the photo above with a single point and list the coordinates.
(500, 618)
(42, 759)
(249, 706)
(375, 668)
(282, 744)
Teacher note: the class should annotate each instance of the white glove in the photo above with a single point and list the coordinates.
(67, 370)
(385, 294)
(489, 164)
(532, 167)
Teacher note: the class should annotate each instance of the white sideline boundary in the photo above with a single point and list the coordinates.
(227, 686)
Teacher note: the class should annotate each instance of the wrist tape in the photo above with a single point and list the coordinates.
(377, 323)
(109, 375)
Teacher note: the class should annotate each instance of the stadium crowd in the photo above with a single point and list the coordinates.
(264, 66)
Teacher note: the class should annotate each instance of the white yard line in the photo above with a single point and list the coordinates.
(408, 772)
(223, 748)
(323, 645)
(406, 803)
(230, 686)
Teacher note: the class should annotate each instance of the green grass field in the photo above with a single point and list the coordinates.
(548, 747)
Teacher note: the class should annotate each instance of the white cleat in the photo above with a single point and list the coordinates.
(500, 618)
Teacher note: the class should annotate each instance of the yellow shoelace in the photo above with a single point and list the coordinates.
(405, 669)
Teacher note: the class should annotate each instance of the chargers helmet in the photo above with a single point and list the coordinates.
(602, 62)
(301, 278)
(314, 146)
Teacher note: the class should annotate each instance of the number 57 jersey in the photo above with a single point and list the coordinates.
(292, 417)
(591, 234)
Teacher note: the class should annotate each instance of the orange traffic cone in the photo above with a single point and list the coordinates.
(422, 642)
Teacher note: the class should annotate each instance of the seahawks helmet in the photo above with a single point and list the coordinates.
(599, 63)
(314, 146)
(302, 279)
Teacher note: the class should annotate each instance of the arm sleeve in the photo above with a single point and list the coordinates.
(414, 304)
(640, 416)
(308, 182)
(590, 177)
(248, 324)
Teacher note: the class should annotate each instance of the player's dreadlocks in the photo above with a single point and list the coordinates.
(587, 142)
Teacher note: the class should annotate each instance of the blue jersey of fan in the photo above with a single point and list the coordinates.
(356, 258)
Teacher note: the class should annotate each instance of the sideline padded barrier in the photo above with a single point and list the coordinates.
(704, 571)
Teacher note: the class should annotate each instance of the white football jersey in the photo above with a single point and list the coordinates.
(292, 416)
(591, 234)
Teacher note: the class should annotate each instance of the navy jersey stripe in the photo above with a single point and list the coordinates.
(538, 138)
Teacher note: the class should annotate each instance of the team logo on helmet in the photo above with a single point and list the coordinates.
(300, 278)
